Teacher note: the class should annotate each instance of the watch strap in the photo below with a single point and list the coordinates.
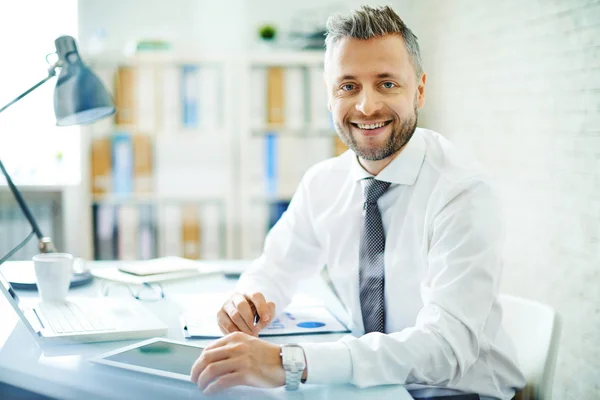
(292, 380)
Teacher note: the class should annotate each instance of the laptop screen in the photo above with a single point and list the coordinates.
(10, 294)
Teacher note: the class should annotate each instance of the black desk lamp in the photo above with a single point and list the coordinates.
(79, 98)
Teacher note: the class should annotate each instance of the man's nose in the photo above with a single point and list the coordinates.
(368, 103)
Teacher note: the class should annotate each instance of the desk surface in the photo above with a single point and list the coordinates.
(64, 371)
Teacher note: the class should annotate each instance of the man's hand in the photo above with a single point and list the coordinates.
(237, 314)
(238, 359)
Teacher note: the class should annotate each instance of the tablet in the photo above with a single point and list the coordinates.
(157, 356)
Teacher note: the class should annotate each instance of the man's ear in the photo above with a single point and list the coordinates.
(421, 90)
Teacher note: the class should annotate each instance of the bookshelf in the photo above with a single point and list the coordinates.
(228, 137)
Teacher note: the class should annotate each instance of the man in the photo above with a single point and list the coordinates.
(410, 231)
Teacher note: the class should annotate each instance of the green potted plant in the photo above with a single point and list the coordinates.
(267, 32)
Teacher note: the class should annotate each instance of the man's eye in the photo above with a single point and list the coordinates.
(347, 87)
(389, 85)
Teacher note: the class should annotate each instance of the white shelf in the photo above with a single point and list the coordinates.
(153, 198)
(157, 58)
(226, 162)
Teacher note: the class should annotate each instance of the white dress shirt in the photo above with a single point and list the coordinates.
(444, 237)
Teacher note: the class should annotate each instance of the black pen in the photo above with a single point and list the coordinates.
(255, 312)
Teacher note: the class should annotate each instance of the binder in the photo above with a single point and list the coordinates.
(171, 232)
(128, 223)
(210, 98)
(191, 232)
(294, 97)
(125, 98)
(211, 229)
(100, 170)
(171, 100)
(145, 99)
(271, 174)
(258, 98)
(142, 164)
(122, 160)
(190, 87)
(147, 232)
(275, 96)
(105, 232)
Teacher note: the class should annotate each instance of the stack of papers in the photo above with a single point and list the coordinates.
(156, 270)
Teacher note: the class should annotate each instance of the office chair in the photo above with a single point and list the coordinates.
(535, 329)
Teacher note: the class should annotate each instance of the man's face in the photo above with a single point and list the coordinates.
(373, 94)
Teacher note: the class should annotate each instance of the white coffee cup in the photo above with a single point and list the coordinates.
(53, 272)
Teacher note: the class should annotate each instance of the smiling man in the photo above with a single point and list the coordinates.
(410, 230)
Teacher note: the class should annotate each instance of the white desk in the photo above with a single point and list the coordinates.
(64, 372)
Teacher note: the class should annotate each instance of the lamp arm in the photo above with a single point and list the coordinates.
(51, 74)
(45, 243)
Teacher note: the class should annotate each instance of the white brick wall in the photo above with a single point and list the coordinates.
(518, 83)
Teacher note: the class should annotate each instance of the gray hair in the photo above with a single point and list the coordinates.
(368, 22)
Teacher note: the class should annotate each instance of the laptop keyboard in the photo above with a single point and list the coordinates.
(70, 317)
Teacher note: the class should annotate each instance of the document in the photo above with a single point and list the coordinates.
(299, 318)
(156, 270)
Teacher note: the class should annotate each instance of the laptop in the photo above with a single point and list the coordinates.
(85, 319)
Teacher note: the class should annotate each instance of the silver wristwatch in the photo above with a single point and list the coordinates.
(294, 363)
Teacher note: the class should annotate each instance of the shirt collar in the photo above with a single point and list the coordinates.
(403, 170)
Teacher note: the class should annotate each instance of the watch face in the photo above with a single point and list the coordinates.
(293, 358)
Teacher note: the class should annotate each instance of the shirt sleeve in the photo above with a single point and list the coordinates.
(291, 252)
(464, 256)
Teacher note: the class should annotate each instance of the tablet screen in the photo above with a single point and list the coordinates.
(164, 356)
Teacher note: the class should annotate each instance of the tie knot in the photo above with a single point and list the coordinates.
(374, 189)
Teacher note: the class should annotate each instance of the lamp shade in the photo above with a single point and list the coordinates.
(79, 95)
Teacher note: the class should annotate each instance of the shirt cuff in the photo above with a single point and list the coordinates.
(327, 363)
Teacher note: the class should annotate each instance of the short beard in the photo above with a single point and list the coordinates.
(399, 137)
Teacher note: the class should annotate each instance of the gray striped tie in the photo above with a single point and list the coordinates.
(371, 267)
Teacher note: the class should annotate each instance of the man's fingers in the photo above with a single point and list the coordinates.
(260, 305)
(245, 310)
(271, 307)
(225, 382)
(237, 318)
(225, 323)
(216, 369)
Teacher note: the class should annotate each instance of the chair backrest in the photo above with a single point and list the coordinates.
(535, 329)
